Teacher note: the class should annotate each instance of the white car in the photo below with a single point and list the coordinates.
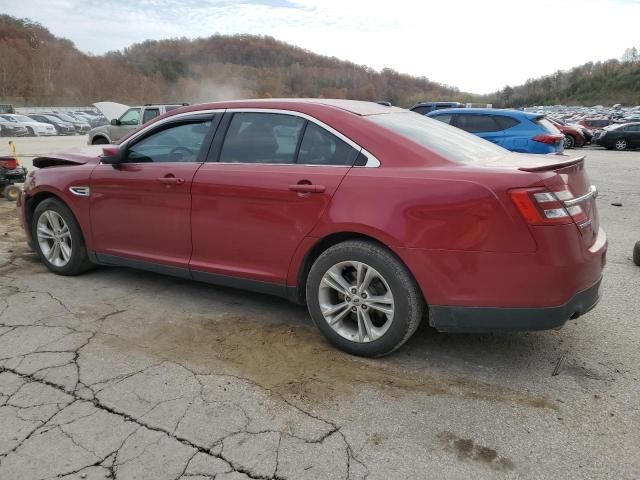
(33, 127)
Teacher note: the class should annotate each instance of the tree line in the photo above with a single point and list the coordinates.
(38, 68)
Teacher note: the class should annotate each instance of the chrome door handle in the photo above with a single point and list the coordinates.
(171, 180)
(307, 188)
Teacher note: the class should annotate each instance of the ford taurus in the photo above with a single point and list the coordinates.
(372, 216)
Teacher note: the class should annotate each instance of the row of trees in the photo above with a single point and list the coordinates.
(600, 83)
(37, 68)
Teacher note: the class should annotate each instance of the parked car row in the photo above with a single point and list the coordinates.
(514, 130)
(50, 123)
(540, 129)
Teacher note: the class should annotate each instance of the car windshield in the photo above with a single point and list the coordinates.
(64, 117)
(450, 142)
(9, 118)
(22, 118)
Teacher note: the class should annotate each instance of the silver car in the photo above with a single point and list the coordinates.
(128, 121)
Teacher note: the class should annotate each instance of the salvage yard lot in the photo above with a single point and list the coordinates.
(126, 374)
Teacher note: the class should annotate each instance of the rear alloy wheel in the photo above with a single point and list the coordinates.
(11, 193)
(363, 299)
(58, 238)
(621, 144)
(569, 142)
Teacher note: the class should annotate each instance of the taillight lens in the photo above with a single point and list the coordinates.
(548, 138)
(540, 206)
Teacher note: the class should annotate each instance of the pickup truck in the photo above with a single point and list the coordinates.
(128, 121)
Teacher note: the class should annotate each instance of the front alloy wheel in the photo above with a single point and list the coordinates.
(54, 238)
(363, 298)
(58, 239)
(621, 144)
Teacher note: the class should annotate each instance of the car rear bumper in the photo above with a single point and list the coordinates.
(490, 319)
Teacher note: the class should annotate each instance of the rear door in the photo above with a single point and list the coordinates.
(634, 135)
(140, 209)
(265, 185)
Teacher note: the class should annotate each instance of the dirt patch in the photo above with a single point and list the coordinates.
(467, 450)
(296, 361)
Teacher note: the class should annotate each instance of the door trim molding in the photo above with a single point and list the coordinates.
(267, 288)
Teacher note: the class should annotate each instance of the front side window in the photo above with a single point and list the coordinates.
(176, 143)
(261, 138)
(130, 117)
(320, 147)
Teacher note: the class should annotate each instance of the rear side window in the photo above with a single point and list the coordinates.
(506, 122)
(150, 113)
(320, 147)
(261, 138)
(422, 110)
(452, 143)
(477, 123)
(443, 118)
(547, 125)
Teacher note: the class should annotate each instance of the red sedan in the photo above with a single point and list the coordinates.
(371, 215)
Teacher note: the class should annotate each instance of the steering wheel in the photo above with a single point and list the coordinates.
(174, 152)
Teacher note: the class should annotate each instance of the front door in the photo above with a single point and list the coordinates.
(269, 181)
(140, 209)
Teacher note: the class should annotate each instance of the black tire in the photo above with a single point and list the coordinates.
(636, 254)
(99, 141)
(621, 144)
(11, 193)
(31, 132)
(408, 302)
(79, 261)
(569, 142)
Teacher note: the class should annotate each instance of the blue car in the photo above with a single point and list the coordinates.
(511, 129)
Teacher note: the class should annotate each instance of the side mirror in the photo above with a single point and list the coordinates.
(112, 156)
(115, 122)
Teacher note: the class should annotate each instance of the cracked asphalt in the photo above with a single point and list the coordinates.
(120, 374)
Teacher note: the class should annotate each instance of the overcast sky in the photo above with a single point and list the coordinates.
(477, 45)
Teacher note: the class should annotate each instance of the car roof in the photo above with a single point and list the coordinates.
(356, 107)
(487, 111)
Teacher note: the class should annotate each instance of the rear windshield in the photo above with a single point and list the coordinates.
(450, 142)
(548, 126)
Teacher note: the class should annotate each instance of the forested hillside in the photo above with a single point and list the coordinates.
(37, 68)
(600, 83)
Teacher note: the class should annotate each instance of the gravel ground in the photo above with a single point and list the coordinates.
(125, 374)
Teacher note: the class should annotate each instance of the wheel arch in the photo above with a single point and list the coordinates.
(100, 135)
(297, 291)
(37, 198)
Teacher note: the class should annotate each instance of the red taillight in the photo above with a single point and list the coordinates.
(548, 138)
(540, 206)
